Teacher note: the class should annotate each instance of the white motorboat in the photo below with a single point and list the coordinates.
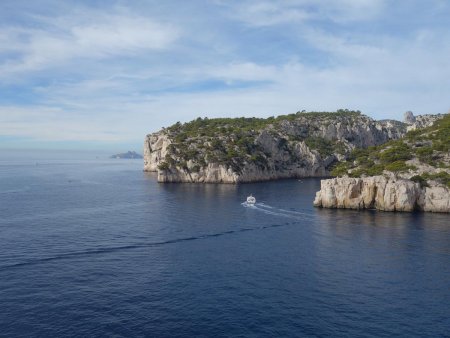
(251, 200)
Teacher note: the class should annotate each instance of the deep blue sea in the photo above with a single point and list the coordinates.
(93, 247)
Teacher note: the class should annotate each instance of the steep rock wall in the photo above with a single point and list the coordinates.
(381, 193)
(284, 149)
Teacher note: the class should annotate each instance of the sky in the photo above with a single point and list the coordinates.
(103, 74)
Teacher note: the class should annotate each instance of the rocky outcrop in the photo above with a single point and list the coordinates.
(155, 150)
(304, 146)
(420, 121)
(382, 193)
(409, 117)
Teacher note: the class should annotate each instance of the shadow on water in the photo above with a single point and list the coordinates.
(386, 230)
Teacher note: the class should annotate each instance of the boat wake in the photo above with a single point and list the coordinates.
(270, 210)
(106, 250)
(260, 207)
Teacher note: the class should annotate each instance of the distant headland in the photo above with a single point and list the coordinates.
(127, 155)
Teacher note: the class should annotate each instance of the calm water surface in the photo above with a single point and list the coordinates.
(94, 247)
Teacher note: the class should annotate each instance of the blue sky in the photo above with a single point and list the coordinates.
(103, 74)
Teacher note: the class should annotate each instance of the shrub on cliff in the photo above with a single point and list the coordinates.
(441, 177)
(399, 166)
(421, 180)
(397, 151)
(429, 146)
(323, 146)
(164, 166)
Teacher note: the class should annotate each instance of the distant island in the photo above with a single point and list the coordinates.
(127, 155)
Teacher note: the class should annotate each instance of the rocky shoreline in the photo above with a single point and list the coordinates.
(382, 193)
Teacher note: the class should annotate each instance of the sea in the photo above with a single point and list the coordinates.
(95, 247)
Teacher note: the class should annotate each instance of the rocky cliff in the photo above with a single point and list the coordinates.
(251, 149)
(409, 174)
(382, 193)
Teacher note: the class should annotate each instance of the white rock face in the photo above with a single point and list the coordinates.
(421, 121)
(435, 199)
(213, 173)
(381, 193)
(308, 164)
(297, 161)
(409, 117)
(155, 149)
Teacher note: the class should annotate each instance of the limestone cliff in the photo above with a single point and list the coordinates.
(409, 174)
(381, 193)
(251, 149)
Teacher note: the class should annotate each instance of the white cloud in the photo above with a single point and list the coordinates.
(107, 113)
(115, 75)
(383, 80)
(122, 35)
(238, 71)
(269, 13)
(54, 124)
(65, 39)
(351, 10)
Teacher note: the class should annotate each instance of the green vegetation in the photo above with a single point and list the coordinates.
(213, 127)
(399, 166)
(341, 169)
(164, 166)
(231, 141)
(323, 146)
(442, 177)
(338, 113)
(429, 145)
(421, 180)
(395, 152)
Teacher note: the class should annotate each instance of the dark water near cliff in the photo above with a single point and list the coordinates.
(98, 248)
